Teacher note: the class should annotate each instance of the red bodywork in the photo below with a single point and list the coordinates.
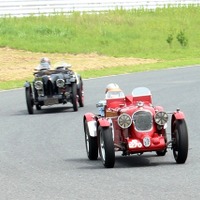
(133, 139)
(130, 139)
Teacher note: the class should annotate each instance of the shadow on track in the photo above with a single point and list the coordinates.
(48, 110)
(125, 162)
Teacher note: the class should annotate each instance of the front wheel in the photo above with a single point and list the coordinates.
(90, 143)
(74, 97)
(106, 147)
(180, 141)
(38, 107)
(161, 153)
(29, 100)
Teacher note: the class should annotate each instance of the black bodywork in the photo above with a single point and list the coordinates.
(50, 87)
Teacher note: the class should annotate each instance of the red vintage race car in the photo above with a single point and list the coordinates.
(132, 125)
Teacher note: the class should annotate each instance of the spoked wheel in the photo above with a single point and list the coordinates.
(74, 97)
(80, 94)
(180, 141)
(106, 147)
(29, 99)
(90, 143)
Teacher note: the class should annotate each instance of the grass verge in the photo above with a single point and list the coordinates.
(111, 71)
(167, 34)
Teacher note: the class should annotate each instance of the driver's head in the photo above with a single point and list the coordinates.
(113, 91)
(45, 63)
(112, 87)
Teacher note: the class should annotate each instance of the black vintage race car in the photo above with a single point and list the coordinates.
(58, 86)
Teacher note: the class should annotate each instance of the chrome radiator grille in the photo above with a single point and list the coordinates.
(142, 120)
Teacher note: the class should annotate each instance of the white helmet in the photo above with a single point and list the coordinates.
(111, 87)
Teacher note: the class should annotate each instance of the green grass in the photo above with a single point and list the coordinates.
(12, 84)
(169, 34)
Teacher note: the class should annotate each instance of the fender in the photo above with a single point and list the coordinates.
(77, 78)
(92, 124)
(27, 84)
(178, 115)
(89, 117)
(103, 122)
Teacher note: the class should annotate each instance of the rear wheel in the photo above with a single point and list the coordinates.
(106, 147)
(74, 97)
(80, 94)
(180, 141)
(90, 143)
(29, 99)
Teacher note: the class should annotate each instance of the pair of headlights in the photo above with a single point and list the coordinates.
(125, 120)
(39, 84)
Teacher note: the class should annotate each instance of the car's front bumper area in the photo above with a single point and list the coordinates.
(51, 100)
(146, 144)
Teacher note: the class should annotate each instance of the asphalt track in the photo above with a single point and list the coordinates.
(43, 157)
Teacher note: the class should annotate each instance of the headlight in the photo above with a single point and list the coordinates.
(124, 120)
(38, 85)
(60, 83)
(161, 118)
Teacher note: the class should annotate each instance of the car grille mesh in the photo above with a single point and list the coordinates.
(142, 120)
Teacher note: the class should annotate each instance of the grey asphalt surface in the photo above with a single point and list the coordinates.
(43, 157)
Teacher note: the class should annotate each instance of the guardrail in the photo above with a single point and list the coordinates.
(20, 8)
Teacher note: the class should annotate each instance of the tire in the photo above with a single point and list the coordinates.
(161, 153)
(180, 141)
(38, 107)
(74, 96)
(106, 147)
(80, 95)
(91, 144)
(29, 100)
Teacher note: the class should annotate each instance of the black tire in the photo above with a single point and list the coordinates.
(29, 100)
(91, 144)
(180, 141)
(38, 107)
(74, 96)
(106, 147)
(80, 95)
(161, 153)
